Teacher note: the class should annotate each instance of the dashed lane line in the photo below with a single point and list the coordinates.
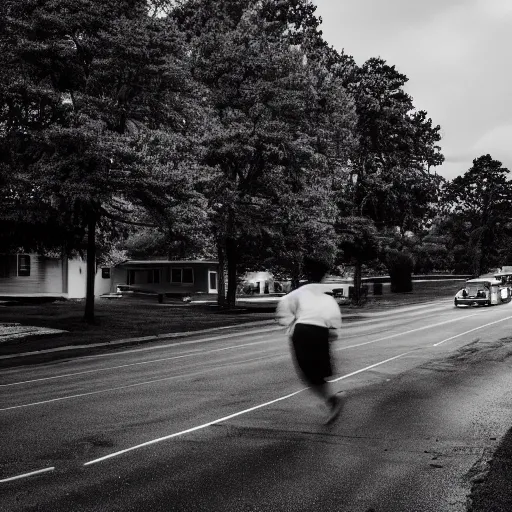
(163, 379)
(180, 356)
(471, 330)
(234, 415)
(374, 365)
(265, 332)
(388, 313)
(182, 343)
(25, 475)
(406, 332)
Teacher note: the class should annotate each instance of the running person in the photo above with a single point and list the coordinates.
(309, 314)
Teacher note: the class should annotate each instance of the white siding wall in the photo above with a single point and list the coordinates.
(77, 271)
(101, 284)
(45, 277)
(51, 280)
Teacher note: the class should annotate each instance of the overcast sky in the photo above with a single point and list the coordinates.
(457, 56)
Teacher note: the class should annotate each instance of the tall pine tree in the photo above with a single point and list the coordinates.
(91, 90)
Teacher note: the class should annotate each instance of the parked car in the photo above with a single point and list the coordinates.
(482, 292)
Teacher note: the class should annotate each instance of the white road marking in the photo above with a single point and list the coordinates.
(264, 333)
(234, 415)
(471, 330)
(193, 429)
(25, 475)
(372, 366)
(404, 333)
(408, 310)
(241, 334)
(181, 356)
(68, 397)
(190, 342)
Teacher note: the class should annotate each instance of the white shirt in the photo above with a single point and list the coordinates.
(309, 304)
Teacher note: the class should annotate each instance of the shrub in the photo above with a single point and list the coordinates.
(400, 266)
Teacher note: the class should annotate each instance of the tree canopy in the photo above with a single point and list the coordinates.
(190, 128)
(93, 91)
(478, 216)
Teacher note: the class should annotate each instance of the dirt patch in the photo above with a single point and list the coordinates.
(476, 352)
(491, 489)
(491, 476)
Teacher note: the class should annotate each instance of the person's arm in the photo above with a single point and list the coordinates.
(285, 312)
(334, 315)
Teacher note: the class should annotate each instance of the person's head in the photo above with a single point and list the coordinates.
(314, 270)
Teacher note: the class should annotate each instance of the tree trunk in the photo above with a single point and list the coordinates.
(231, 258)
(221, 293)
(356, 298)
(91, 269)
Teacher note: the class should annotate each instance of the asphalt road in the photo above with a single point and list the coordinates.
(222, 423)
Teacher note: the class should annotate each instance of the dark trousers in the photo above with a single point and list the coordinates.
(311, 352)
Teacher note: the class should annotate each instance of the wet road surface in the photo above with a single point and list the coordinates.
(221, 422)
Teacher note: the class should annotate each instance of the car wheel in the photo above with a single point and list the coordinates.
(455, 303)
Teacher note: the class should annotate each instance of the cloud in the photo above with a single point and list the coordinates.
(497, 9)
(455, 54)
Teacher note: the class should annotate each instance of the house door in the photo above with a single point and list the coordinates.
(212, 281)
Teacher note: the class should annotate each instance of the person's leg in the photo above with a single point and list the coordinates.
(321, 389)
(335, 403)
(311, 351)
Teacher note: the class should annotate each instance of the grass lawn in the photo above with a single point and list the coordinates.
(141, 316)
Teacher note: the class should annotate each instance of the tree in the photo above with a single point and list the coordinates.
(479, 215)
(389, 171)
(94, 91)
(400, 265)
(397, 146)
(359, 243)
(263, 137)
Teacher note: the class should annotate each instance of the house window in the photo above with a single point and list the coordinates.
(176, 275)
(188, 276)
(154, 275)
(131, 277)
(23, 265)
(105, 273)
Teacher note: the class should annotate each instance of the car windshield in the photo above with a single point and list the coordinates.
(473, 288)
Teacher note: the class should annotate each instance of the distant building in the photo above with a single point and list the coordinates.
(33, 275)
(177, 277)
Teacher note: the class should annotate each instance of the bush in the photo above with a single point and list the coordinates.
(400, 266)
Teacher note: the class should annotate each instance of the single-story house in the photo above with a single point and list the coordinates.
(34, 275)
(179, 277)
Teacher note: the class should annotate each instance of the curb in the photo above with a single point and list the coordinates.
(126, 342)
(77, 350)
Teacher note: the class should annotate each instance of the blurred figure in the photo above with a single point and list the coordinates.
(312, 317)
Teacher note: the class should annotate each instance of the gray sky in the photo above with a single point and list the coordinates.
(457, 56)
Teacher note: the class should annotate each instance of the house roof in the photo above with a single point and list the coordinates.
(485, 280)
(166, 262)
